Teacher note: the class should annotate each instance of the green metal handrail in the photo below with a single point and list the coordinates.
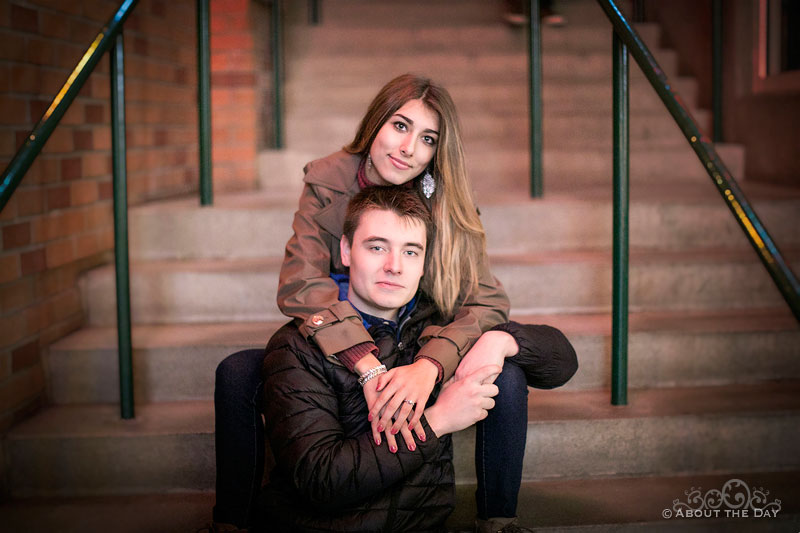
(535, 99)
(34, 143)
(782, 275)
(277, 72)
(621, 173)
(110, 40)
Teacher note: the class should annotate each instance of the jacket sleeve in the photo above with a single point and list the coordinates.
(487, 307)
(310, 447)
(305, 289)
(545, 354)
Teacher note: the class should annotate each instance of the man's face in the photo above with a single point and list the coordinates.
(386, 260)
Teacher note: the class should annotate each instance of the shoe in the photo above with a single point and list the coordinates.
(500, 525)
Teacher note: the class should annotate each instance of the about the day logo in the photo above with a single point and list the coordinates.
(735, 500)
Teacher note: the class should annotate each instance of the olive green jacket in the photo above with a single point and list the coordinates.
(307, 293)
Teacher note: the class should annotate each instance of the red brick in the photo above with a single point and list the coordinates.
(17, 294)
(96, 164)
(16, 235)
(25, 356)
(49, 282)
(33, 261)
(30, 201)
(24, 19)
(225, 22)
(60, 252)
(9, 267)
(57, 225)
(87, 245)
(38, 108)
(65, 304)
(83, 192)
(60, 142)
(58, 197)
(8, 143)
(13, 110)
(105, 190)
(21, 388)
(94, 113)
(234, 41)
(229, 6)
(9, 212)
(40, 52)
(12, 330)
(102, 138)
(52, 25)
(72, 168)
(12, 47)
(83, 139)
(48, 170)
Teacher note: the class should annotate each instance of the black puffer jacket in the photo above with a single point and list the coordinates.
(329, 474)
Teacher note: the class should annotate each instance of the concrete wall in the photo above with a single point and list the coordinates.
(59, 222)
(765, 122)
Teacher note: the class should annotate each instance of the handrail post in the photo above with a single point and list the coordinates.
(716, 69)
(535, 98)
(121, 227)
(277, 70)
(204, 103)
(619, 325)
(313, 12)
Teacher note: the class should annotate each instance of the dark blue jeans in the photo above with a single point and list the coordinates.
(499, 445)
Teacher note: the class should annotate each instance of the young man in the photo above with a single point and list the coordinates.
(332, 472)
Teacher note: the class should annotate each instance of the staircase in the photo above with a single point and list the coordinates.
(714, 353)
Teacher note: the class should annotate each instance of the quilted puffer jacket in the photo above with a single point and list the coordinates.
(329, 474)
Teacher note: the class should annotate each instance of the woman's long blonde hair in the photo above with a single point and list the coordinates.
(459, 242)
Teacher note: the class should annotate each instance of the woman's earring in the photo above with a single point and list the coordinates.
(428, 184)
(369, 161)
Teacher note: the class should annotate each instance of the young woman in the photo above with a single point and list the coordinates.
(409, 135)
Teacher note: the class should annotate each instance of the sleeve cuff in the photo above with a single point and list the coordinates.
(354, 354)
(442, 352)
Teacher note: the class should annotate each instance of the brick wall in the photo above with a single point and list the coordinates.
(239, 30)
(59, 222)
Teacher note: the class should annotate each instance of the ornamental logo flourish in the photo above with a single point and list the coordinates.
(735, 500)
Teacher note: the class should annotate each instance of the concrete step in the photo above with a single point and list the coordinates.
(659, 218)
(579, 434)
(177, 362)
(624, 504)
(349, 13)
(326, 40)
(486, 131)
(306, 98)
(575, 168)
(200, 291)
(80, 450)
(458, 67)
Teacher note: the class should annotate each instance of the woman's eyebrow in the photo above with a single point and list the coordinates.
(412, 122)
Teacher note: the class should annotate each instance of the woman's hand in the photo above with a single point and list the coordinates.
(398, 387)
(490, 349)
(463, 402)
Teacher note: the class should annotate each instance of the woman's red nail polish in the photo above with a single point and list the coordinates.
(393, 449)
(412, 447)
(421, 437)
(394, 431)
(377, 442)
(380, 428)
(410, 427)
(370, 417)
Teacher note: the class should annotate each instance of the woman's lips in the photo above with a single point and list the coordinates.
(401, 165)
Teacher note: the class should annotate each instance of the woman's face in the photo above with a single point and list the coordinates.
(404, 145)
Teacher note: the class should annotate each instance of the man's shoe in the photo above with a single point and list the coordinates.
(500, 525)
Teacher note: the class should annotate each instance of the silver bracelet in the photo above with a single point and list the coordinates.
(371, 373)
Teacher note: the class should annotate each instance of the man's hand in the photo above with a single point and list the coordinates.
(490, 349)
(464, 402)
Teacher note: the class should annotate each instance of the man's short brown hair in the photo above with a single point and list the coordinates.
(403, 201)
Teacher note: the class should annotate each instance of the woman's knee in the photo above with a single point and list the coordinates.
(239, 369)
